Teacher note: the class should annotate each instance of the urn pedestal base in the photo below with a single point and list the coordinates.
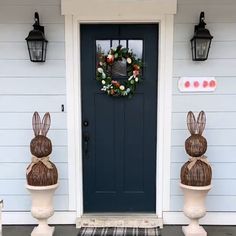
(43, 229)
(42, 208)
(196, 231)
(194, 208)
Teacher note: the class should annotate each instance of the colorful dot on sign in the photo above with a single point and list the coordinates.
(212, 83)
(187, 84)
(196, 84)
(205, 84)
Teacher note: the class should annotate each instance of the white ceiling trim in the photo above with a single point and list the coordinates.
(118, 9)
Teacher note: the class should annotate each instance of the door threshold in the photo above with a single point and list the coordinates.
(127, 220)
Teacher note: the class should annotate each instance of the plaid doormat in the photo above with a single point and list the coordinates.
(118, 232)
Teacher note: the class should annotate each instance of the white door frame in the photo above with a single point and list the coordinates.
(164, 98)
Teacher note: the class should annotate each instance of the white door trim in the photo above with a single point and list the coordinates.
(74, 109)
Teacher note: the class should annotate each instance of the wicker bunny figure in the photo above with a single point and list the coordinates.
(197, 171)
(41, 171)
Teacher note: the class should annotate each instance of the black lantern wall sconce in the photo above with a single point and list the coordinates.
(201, 41)
(36, 41)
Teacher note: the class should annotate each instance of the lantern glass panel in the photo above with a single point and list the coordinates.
(37, 50)
(202, 48)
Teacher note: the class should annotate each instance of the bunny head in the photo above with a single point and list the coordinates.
(196, 144)
(40, 145)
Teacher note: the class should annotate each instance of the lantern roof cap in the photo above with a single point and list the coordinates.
(36, 35)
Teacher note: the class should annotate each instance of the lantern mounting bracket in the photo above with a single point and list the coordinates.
(36, 24)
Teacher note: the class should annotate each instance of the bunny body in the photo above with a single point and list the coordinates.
(41, 171)
(197, 171)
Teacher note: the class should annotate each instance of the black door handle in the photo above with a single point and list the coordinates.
(86, 142)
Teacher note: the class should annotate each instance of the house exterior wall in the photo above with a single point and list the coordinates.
(220, 106)
(26, 87)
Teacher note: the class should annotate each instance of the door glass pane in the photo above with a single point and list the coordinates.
(118, 69)
(137, 47)
(115, 43)
(103, 46)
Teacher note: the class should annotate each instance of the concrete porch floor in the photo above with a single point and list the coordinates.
(70, 230)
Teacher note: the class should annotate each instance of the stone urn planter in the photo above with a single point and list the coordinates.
(194, 208)
(196, 175)
(42, 208)
(42, 176)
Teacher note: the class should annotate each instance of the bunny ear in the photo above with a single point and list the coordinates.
(36, 123)
(201, 122)
(46, 124)
(191, 123)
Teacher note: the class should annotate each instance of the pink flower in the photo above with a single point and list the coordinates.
(135, 73)
(110, 58)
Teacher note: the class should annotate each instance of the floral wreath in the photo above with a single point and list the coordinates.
(103, 75)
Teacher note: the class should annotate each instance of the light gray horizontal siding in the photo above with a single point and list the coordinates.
(215, 120)
(211, 67)
(23, 202)
(219, 50)
(25, 14)
(22, 137)
(221, 170)
(18, 32)
(204, 3)
(220, 153)
(23, 121)
(220, 106)
(209, 102)
(21, 154)
(32, 86)
(188, 13)
(34, 3)
(13, 171)
(26, 87)
(213, 203)
(52, 68)
(31, 103)
(10, 187)
(216, 137)
(183, 32)
(19, 51)
(219, 188)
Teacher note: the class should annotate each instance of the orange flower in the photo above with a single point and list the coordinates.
(115, 83)
(136, 67)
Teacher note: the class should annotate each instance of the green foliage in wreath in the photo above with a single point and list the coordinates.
(103, 74)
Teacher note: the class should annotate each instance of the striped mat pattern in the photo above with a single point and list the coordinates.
(118, 232)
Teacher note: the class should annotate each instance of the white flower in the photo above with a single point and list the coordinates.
(100, 70)
(129, 60)
(103, 75)
(131, 77)
(103, 82)
(136, 79)
(122, 87)
(128, 90)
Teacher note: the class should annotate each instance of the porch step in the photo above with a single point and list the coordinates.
(119, 220)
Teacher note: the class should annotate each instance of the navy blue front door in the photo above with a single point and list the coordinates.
(119, 133)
